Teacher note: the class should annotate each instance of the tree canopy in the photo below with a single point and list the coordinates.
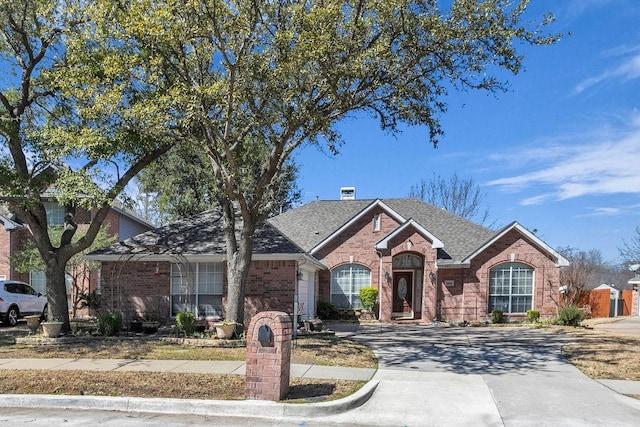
(181, 183)
(252, 81)
(75, 125)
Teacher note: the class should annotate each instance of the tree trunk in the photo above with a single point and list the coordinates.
(237, 272)
(239, 252)
(57, 293)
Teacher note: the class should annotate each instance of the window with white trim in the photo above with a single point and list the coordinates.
(377, 219)
(346, 282)
(511, 288)
(38, 281)
(55, 213)
(197, 289)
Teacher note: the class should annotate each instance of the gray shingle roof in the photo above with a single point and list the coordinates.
(200, 234)
(312, 223)
(301, 229)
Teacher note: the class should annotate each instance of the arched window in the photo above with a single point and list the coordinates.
(346, 282)
(511, 288)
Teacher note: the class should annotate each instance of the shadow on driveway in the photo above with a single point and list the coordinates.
(494, 351)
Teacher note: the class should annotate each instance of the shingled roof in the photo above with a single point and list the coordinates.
(311, 224)
(304, 229)
(200, 234)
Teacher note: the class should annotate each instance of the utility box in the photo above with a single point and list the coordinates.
(268, 364)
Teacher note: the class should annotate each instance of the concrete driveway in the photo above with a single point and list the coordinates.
(530, 381)
(625, 325)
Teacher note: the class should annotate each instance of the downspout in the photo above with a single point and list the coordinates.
(379, 283)
(435, 284)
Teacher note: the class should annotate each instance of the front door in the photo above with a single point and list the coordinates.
(403, 294)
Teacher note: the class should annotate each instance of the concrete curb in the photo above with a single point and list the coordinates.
(244, 408)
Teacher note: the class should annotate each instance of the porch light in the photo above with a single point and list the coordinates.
(432, 277)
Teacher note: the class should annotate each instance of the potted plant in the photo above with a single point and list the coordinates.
(33, 323)
(149, 324)
(135, 325)
(225, 329)
(51, 328)
(368, 297)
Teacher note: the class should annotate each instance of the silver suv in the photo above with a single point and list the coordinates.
(17, 299)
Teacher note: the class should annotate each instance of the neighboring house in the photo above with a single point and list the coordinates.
(120, 222)
(427, 263)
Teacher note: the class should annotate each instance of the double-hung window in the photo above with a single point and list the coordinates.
(511, 288)
(197, 288)
(346, 282)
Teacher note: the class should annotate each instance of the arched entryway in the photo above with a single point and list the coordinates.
(406, 301)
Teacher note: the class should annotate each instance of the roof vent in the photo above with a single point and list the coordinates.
(347, 193)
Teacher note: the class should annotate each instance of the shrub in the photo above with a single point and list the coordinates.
(326, 310)
(91, 300)
(533, 316)
(497, 316)
(186, 322)
(368, 297)
(571, 315)
(109, 324)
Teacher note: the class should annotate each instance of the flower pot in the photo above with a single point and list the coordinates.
(33, 323)
(51, 329)
(150, 326)
(135, 326)
(225, 331)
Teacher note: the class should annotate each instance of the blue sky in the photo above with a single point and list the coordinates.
(559, 152)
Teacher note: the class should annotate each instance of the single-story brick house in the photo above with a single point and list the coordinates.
(427, 263)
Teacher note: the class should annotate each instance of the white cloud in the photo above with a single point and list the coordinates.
(604, 211)
(606, 163)
(628, 70)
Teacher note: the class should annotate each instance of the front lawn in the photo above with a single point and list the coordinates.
(321, 350)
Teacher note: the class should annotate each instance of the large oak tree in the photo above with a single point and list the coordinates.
(255, 80)
(75, 123)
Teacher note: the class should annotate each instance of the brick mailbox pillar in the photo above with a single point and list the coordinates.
(268, 356)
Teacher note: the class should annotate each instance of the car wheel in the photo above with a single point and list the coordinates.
(43, 316)
(12, 316)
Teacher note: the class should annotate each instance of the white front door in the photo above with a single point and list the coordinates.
(306, 296)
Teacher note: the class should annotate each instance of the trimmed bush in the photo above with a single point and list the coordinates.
(497, 316)
(533, 316)
(186, 322)
(109, 324)
(571, 315)
(368, 297)
(326, 310)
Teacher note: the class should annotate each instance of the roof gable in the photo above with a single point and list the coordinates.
(375, 204)
(314, 224)
(435, 242)
(559, 259)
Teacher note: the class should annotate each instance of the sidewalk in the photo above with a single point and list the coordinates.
(182, 366)
(228, 367)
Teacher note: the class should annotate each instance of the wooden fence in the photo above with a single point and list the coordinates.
(597, 303)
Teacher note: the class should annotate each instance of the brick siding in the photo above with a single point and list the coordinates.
(135, 289)
(467, 299)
